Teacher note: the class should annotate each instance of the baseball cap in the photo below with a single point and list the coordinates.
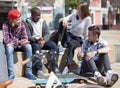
(13, 14)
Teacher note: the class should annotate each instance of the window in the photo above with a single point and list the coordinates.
(104, 17)
(92, 17)
(103, 3)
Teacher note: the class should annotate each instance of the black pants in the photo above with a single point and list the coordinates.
(69, 41)
(102, 65)
(49, 45)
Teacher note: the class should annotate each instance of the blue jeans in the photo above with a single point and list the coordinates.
(9, 50)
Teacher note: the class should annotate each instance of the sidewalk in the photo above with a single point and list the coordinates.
(21, 82)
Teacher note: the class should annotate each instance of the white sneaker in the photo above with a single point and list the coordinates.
(40, 74)
(99, 78)
(61, 51)
(65, 71)
(57, 70)
(111, 78)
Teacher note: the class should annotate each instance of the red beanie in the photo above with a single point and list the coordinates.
(13, 14)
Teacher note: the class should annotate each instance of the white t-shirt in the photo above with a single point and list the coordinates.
(79, 27)
(37, 28)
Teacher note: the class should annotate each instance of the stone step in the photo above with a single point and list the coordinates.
(19, 69)
(114, 54)
(113, 38)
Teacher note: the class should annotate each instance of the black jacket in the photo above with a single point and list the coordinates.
(29, 29)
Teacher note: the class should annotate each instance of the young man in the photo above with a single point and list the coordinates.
(95, 59)
(39, 35)
(15, 38)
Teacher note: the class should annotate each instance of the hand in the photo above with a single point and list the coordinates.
(65, 24)
(38, 38)
(90, 55)
(80, 55)
(10, 44)
(24, 41)
(41, 42)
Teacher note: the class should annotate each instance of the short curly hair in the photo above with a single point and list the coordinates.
(35, 10)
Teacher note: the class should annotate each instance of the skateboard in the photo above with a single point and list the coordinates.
(44, 81)
(66, 79)
(59, 80)
(3, 84)
(77, 78)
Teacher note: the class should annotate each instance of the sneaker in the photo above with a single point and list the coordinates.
(99, 78)
(111, 79)
(65, 71)
(57, 70)
(30, 76)
(12, 77)
(61, 51)
(40, 74)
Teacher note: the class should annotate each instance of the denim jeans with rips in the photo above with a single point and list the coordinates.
(9, 50)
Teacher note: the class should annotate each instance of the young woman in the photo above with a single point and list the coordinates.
(80, 21)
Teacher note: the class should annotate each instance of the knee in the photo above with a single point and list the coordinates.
(9, 49)
(104, 55)
(37, 45)
(70, 45)
(27, 47)
(53, 45)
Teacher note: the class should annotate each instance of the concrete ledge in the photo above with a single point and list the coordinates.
(19, 56)
(18, 67)
(62, 60)
(112, 54)
(76, 62)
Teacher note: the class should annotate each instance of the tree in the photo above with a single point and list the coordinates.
(71, 4)
(56, 22)
(39, 2)
(115, 3)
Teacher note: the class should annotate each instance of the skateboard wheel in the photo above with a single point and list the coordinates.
(82, 81)
(37, 86)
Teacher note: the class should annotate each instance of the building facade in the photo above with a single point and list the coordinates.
(5, 6)
(99, 11)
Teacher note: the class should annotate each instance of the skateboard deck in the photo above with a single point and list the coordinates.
(63, 79)
(70, 78)
(3, 64)
(44, 81)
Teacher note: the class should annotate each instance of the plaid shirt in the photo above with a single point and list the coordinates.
(13, 35)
